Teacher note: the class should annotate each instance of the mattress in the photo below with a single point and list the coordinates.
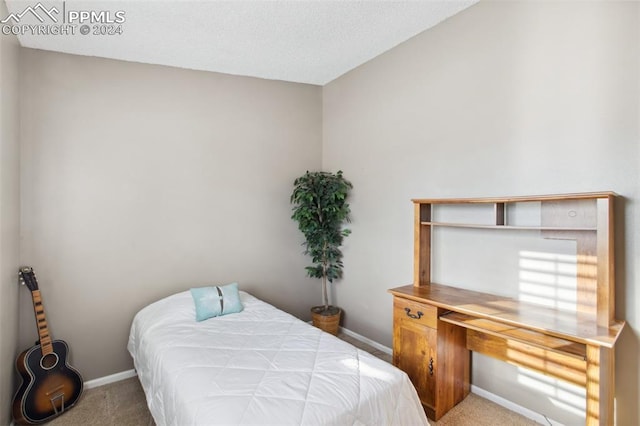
(260, 366)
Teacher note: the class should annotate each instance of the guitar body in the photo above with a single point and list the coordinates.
(49, 384)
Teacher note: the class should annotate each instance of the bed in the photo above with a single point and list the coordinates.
(260, 366)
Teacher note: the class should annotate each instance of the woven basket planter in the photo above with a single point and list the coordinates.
(326, 321)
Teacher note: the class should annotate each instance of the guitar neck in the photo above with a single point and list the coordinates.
(41, 323)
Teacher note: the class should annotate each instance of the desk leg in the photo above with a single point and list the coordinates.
(600, 385)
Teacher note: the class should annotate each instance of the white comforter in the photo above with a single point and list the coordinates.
(260, 366)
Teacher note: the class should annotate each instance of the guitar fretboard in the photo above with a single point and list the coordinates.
(41, 323)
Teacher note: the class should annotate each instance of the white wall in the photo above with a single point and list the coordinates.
(9, 216)
(140, 181)
(505, 98)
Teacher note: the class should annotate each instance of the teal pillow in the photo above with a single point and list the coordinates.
(215, 301)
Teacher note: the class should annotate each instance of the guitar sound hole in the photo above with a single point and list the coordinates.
(49, 361)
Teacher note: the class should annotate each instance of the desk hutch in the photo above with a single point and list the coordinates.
(436, 326)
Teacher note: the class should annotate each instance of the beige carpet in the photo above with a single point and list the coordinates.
(123, 404)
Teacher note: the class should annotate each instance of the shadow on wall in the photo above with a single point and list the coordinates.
(628, 347)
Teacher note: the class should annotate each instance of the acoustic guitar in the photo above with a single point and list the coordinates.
(50, 386)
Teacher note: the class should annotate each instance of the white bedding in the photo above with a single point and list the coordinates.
(260, 366)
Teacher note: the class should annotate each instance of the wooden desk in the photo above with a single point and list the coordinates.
(436, 327)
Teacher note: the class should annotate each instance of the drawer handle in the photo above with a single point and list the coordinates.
(431, 366)
(414, 316)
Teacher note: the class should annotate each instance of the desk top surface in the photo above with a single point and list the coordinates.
(575, 326)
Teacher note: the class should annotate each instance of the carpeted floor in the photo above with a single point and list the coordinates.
(123, 404)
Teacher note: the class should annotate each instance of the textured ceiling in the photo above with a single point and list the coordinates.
(301, 41)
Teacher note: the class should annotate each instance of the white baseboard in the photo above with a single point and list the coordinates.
(101, 381)
(523, 411)
(366, 340)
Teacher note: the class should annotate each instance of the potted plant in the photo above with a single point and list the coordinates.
(320, 207)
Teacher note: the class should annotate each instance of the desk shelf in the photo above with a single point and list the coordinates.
(508, 227)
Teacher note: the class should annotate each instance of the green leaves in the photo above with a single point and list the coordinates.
(320, 207)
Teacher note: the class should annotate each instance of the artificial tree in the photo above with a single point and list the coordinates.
(321, 209)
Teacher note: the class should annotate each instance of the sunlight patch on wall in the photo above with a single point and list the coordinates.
(551, 280)
(564, 395)
(548, 279)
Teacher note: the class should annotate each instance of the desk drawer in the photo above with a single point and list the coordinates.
(418, 313)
